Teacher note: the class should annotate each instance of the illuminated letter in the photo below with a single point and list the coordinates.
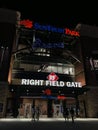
(32, 82)
(25, 81)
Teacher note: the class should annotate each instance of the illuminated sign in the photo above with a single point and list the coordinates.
(26, 23)
(61, 97)
(50, 83)
(39, 44)
(47, 92)
(30, 24)
(48, 28)
(52, 77)
(48, 97)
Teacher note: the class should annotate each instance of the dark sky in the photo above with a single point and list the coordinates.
(58, 13)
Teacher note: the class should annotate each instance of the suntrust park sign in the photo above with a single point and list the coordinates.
(31, 24)
(50, 83)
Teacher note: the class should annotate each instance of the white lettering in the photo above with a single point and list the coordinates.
(31, 82)
(62, 83)
(47, 83)
(79, 84)
(25, 81)
(55, 83)
(50, 83)
(37, 82)
(73, 84)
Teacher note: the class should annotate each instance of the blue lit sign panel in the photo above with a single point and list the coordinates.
(39, 44)
(48, 28)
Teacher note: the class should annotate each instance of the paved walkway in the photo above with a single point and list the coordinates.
(49, 124)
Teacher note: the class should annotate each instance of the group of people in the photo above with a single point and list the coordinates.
(35, 113)
(68, 112)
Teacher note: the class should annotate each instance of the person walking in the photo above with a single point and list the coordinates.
(66, 114)
(37, 112)
(33, 113)
(72, 114)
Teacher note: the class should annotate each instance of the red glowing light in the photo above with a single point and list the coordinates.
(71, 32)
(61, 97)
(27, 23)
(47, 92)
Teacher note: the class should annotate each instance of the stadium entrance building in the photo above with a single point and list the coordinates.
(45, 69)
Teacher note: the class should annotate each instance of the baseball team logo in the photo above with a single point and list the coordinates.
(52, 77)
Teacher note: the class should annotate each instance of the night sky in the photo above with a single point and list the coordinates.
(57, 13)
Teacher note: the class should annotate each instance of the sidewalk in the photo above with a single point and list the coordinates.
(48, 124)
(48, 119)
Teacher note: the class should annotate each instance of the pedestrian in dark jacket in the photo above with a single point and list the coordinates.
(72, 114)
(66, 114)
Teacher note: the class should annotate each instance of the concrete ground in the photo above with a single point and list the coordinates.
(49, 124)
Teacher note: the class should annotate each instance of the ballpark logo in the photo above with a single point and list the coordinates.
(52, 77)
